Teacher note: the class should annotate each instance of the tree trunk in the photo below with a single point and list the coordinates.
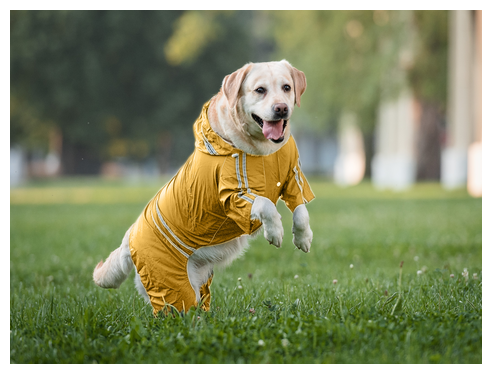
(429, 142)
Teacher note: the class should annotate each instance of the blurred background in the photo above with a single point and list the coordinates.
(393, 97)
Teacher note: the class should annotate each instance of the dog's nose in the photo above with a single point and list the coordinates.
(281, 109)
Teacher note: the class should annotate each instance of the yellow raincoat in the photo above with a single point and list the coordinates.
(206, 203)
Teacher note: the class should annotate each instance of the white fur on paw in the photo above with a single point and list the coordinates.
(303, 239)
(274, 233)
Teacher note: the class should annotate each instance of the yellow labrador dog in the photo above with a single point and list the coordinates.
(245, 159)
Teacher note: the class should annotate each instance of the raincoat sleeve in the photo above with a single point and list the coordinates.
(296, 190)
(235, 198)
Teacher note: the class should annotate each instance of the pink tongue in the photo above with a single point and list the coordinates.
(273, 130)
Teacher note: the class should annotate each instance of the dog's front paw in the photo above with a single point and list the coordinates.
(303, 239)
(274, 233)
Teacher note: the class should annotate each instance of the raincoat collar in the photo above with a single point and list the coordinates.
(207, 140)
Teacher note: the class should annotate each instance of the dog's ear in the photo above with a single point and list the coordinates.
(300, 83)
(231, 85)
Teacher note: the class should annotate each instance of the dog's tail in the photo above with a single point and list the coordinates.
(112, 272)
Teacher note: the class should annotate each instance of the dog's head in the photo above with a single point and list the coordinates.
(261, 97)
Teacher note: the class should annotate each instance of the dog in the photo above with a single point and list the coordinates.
(245, 159)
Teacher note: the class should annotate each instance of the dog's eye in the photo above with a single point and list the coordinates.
(287, 88)
(260, 90)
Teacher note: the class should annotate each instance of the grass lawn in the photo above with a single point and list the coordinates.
(272, 305)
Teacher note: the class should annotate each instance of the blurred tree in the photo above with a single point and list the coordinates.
(102, 80)
(428, 77)
(349, 58)
(346, 56)
(354, 59)
(197, 32)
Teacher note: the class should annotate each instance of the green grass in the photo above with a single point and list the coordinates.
(285, 299)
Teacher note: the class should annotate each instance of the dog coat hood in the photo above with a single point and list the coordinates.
(208, 202)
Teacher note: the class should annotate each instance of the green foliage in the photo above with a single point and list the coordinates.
(354, 59)
(192, 32)
(102, 78)
(346, 55)
(285, 308)
(85, 71)
(429, 75)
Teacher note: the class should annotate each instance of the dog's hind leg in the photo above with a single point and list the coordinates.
(112, 272)
(198, 274)
(140, 287)
(201, 264)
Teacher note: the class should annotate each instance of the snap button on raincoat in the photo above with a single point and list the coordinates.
(208, 202)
